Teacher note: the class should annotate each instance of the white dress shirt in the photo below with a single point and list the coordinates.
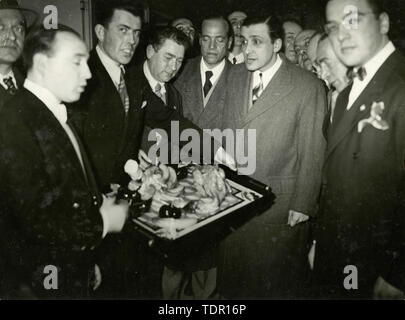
(113, 68)
(8, 75)
(216, 73)
(371, 67)
(152, 81)
(58, 109)
(240, 58)
(267, 75)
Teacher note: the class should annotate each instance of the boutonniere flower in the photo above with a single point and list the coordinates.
(375, 118)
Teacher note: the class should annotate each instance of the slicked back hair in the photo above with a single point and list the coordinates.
(42, 40)
(274, 26)
(229, 32)
(158, 38)
(105, 10)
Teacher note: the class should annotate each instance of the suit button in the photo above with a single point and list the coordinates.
(95, 203)
(83, 248)
(76, 205)
(94, 197)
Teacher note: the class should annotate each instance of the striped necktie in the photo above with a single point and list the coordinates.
(11, 89)
(158, 92)
(122, 90)
(258, 89)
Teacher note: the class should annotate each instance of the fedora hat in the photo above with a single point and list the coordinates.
(31, 17)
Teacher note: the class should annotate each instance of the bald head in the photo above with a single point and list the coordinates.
(333, 71)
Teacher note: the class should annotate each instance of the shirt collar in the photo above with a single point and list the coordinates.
(239, 57)
(113, 68)
(152, 81)
(9, 74)
(377, 61)
(216, 71)
(268, 74)
(48, 98)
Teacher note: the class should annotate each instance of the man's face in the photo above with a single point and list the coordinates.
(12, 35)
(186, 26)
(260, 53)
(332, 69)
(214, 41)
(65, 70)
(121, 37)
(355, 42)
(310, 63)
(236, 19)
(301, 46)
(291, 30)
(165, 62)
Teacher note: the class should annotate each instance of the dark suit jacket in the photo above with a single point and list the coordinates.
(49, 213)
(190, 86)
(362, 204)
(110, 136)
(4, 95)
(161, 116)
(265, 258)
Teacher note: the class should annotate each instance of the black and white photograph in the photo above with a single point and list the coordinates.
(214, 151)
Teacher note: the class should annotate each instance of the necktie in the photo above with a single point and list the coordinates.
(234, 60)
(11, 89)
(258, 89)
(122, 90)
(158, 92)
(360, 73)
(207, 84)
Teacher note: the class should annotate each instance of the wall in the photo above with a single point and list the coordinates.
(69, 13)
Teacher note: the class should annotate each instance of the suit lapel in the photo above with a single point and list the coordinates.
(278, 88)
(350, 118)
(194, 89)
(49, 131)
(217, 95)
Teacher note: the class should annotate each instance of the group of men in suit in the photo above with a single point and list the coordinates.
(57, 165)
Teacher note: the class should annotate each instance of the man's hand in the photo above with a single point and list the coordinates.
(114, 215)
(225, 158)
(384, 291)
(295, 217)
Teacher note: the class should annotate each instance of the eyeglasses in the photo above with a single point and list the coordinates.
(349, 22)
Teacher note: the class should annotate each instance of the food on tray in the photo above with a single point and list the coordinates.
(177, 204)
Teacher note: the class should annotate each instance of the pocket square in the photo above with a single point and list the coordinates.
(375, 118)
(144, 103)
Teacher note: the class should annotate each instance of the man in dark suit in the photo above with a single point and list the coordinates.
(285, 106)
(360, 234)
(202, 82)
(52, 213)
(12, 34)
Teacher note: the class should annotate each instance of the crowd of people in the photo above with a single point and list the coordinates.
(327, 108)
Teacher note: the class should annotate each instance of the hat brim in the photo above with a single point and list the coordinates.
(31, 17)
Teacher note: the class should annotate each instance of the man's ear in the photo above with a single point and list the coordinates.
(99, 30)
(150, 51)
(278, 43)
(384, 23)
(230, 43)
